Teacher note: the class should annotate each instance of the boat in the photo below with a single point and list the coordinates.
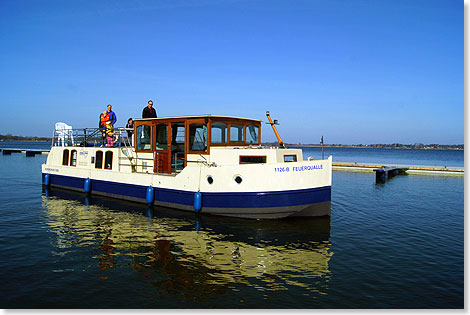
(204, 164)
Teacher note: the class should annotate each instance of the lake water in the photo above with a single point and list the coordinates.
(407, 157)
(393, 245)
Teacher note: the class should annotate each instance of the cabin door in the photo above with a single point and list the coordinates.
(161, 154)
(177, 147)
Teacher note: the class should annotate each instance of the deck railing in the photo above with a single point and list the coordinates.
(90, 137)
(93, 137)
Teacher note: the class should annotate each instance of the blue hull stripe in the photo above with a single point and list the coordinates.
(209, 199)
(266, 199)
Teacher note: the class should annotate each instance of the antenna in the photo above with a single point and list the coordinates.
(281, 144)
(322, 153)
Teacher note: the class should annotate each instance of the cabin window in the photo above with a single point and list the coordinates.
(252, 159)
(161, 137)
(252, 134)
(73, 158)
(236, 133)
(177, 146)
(198, 137)
(177, 135)
(219, 132)
(108, 160)
(143, 137)
(290, 158)
(99, 159)
(65, 157)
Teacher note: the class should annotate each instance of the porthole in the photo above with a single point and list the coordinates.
(210, 180)
(238, 179)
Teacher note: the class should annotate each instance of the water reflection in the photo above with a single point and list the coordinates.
(189, 255)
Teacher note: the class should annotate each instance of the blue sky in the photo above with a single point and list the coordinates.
(352, 71)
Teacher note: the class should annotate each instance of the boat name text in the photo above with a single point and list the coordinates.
(298, 168)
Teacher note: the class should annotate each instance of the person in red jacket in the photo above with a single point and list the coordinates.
(104, 118)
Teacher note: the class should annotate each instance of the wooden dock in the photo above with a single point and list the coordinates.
(385, 172)
(28, 152)
(411, 170)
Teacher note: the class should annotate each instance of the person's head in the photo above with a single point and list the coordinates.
(129, 121)
(109, 107)
(105, 112)
(150, 104)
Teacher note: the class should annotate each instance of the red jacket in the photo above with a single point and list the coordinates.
(103, 120)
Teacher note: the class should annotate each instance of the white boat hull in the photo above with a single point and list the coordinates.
(267, 191)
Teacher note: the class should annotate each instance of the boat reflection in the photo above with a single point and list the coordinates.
(198, 256)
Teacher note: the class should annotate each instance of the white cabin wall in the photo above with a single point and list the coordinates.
(281, 152)
(267, 177)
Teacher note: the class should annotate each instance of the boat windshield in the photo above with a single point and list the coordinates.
(252, 134)
(143, 137)
(219, 132)
(198, 137)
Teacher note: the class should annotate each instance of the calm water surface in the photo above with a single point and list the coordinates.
(407, 157)
(395, 245)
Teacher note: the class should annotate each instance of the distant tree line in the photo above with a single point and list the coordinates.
(379, 145)
(415, 146)
(10, 137)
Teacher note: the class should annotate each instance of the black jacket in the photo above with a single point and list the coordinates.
(149, 113)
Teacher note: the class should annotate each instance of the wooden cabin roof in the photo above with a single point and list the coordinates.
(197, 117)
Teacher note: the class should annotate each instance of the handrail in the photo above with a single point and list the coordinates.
(89, 137)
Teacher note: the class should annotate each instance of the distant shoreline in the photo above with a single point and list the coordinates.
(28, 140)
(377, 146)
(9, 137)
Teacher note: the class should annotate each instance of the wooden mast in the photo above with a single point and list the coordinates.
(281, 144)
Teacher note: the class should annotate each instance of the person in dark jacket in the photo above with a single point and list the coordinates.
(130, 130)
(149, 111)
(130, 127)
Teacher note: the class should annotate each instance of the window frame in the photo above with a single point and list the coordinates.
(243, 141)
(234, 121)
(96, 159)
(167, 125)
(246, 134)
(258, 156)
(227, 133)
(290, 155)
(63, 157)
(72, 159)
(152, 131)
(188, 128)
(105, 159)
